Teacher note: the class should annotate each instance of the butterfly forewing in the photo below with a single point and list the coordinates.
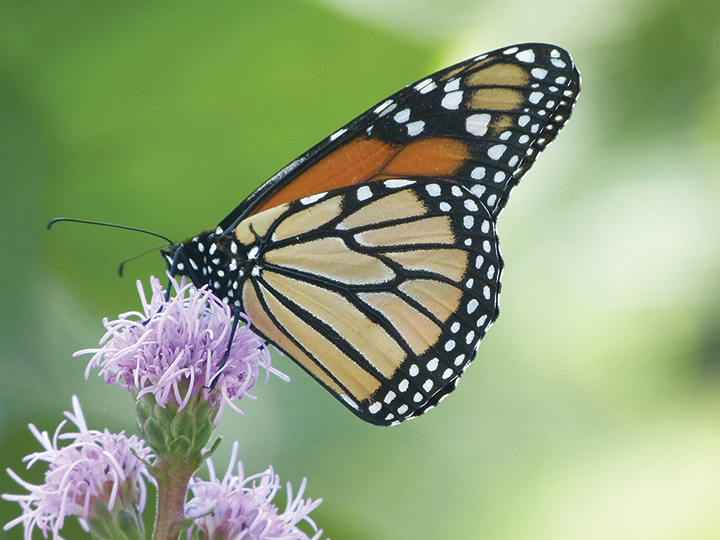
(481, 122)
(381, 292)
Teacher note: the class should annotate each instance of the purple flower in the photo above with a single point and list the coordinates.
(174, 349)
(94, 467)
(237, 508)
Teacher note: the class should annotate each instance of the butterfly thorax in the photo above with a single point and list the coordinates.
(216, 260)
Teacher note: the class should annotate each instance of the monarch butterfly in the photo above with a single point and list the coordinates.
(373, 259)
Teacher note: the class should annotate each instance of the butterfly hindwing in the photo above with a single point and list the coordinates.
(382, 292)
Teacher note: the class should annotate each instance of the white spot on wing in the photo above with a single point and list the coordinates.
(337, 134)
(387, 110)
(527, 56)
(402, 117)
(415, 128)
(452, 100)
(469, 337)
(425, 86)
(384, 105)
(477, 124)
(477, 190)
(364, 193)
(395, 183)
(495, 152)
(312, 198)
(535, 97)
(433, 190)
(452, 85)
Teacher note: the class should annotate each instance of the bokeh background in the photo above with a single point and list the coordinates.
(593, 409)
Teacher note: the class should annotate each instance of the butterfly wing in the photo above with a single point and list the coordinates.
(381, 292)
(481, 123)
(372, 259)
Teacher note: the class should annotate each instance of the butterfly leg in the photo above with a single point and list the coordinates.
(173, 271)
(235, 323)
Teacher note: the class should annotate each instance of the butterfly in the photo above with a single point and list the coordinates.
(373, 260)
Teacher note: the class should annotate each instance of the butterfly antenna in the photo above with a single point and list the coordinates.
(56, 220)
(122, 264)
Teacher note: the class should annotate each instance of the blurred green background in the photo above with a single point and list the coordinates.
(593, 410)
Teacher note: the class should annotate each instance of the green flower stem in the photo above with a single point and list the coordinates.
(172, 478)
(177, 437)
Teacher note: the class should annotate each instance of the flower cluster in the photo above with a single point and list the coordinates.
(183, 359)
(239, 507)
(94, 467)
(175, 349)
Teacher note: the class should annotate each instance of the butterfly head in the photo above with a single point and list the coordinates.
(210, 259)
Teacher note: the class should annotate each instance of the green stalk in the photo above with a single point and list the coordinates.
(172, 478)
